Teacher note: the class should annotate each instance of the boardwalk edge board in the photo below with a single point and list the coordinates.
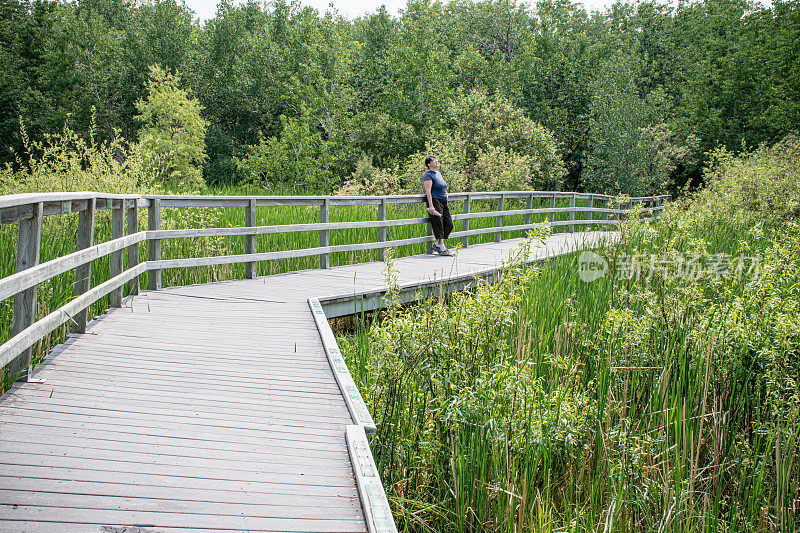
(371, 300)
(377, 513)
(355, 403)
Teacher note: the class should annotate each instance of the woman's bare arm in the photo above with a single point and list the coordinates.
(428, 186)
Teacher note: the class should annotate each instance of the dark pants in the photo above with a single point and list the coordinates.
(443, 225)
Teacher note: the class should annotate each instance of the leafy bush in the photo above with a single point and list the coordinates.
(632, 149)
(370, 181)
(487, 143)
(172, 138)
(68, 162)
(763, 185)
(299, 157)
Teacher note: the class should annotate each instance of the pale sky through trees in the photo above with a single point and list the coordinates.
(205, 9)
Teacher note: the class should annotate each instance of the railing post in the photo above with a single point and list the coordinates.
(154, 245)
(324, 235)
(552, 216)
(499, 221)
(133, 249)
(465, 222)
(382, 229)
(83, 273)
(115, 260)
(528, 205)
(590, 206)
(250, 240)
(572, 213)
(606, 206)
(29, 243)
(429, 243)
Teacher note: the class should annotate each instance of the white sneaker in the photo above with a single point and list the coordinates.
(445, 252)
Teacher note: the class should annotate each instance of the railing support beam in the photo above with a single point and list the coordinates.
(115, 260)
(83, 273)
(572, 213)
(382, 230)
(465, 222)
(133, 250)
(499, 221)
(590, 205)
(429, 243)
(29, 244)
(250, 268)
(154, 245)
(528, 205)
(324, 235)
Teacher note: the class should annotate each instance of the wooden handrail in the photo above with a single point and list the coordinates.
(33, 333)
(25, 279)
(29, 209)
(17, 207)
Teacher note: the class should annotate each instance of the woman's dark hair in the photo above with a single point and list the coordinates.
(428, 160)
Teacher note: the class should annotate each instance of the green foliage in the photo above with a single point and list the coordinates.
(760, 186)
(386, 139)
(370, 181)
(607, 84)
(172, 137)
(665, 401)
(663, 154)
(764, 322)
(489, 144)
(617, 162)
(68, 162)
(298, 158)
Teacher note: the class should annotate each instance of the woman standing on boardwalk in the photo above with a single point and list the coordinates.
(436, 198)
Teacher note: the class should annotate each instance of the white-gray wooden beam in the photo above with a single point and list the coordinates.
(83, 273)
(29, 243)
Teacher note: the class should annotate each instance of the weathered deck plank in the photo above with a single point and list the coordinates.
(208, 407)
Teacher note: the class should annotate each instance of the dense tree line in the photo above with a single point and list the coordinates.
(634, 96)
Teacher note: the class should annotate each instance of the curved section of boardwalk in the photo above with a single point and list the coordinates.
(208, 407)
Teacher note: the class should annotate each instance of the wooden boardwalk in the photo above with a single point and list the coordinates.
(207, 407)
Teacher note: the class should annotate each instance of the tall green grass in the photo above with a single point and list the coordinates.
(545, 403)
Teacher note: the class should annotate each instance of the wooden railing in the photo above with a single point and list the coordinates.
(28, 210)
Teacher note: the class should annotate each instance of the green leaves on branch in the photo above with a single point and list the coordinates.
(487, 143)
(172, 138)
(298, 157)
(67, 161)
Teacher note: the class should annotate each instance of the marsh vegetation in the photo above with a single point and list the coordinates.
(647, 400)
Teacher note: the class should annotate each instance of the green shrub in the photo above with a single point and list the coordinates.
(763, 185)
(298, 157)
(487, 144)
(172, 143)
(370, 181)
(69, 162)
